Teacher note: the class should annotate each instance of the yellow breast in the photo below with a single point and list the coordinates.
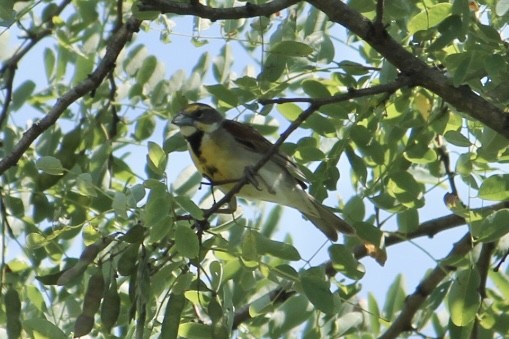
(218, 160)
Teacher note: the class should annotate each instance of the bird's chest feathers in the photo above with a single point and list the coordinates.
(216, 160)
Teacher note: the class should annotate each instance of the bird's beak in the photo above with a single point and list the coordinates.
(182, 120)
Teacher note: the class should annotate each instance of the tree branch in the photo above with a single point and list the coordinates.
(430, 228)
(414, 301)
(10, 65)
(483, 266)
(249, 10)
(389, 88)
(462, 98)
(116, 43)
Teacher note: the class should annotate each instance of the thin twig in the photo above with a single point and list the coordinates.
(379, 18)
(389, 88)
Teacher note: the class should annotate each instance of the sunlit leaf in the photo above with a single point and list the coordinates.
(429, 17)
(492, 227)
(495, 187)
(464, 298)
(50, 165)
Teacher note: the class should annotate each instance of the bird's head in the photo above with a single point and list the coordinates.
(197, 117)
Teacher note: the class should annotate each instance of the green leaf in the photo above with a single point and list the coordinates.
(495, 188)
(249, 246)
(501, 281)
(315, 89)
(146, 70)
(221, 67)
(289, 110)
(42, 328)
(464, 299)
(144, 127)
(457, 139)
(189, 206)
(408, 220)
(273, 67)
(316, 288)
(195, 331)
(343, 261)
(373, 314)
(355, 208)
(276, 248)
(22, 94)
(501, 7)
(216, 274)
(224, 95)
(403, 186)
(395, 298)
(110, 307)
(464, 165)
(186, 241)
(35, 240)
(358, 166)
(119, 204)
(295, 311)
(175, 142)
(163, 279)
(492, 227)
(429, 17)
(172, 316)
(84, 185)
(50, 165)
(157, 158)
(291, 48)
(309, 153)
(157, 207)
(160, 229)
(84, 66)
(12, 311)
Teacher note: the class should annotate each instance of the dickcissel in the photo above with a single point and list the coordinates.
(223, 151)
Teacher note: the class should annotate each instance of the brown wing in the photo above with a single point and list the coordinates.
(255, 142)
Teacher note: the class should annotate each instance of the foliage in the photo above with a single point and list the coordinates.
(98, 240)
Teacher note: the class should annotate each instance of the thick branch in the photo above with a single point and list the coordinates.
(115, 45)
(249, 10)
(462, 98)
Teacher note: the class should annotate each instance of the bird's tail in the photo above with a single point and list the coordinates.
(327, 222)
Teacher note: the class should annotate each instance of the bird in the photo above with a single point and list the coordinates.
(225, 150)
